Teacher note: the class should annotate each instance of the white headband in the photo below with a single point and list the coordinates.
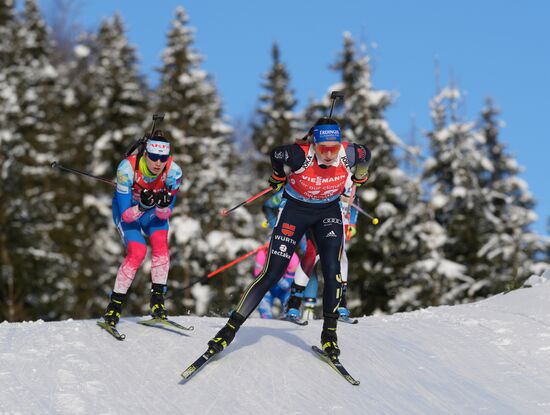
(158, 147)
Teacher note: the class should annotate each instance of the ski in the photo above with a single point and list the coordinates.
(111, 330)
(166, 322)
(348, 320)
(295, 321)
(335, 364)
(198, 364)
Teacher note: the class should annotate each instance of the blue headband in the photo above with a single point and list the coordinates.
(326, 132)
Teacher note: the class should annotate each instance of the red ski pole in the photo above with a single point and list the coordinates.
(236, 261)
(226, 266)
(226, 211)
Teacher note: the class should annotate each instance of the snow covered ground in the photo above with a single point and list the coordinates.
(490, 357)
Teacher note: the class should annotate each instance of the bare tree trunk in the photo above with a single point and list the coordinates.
(7, 279)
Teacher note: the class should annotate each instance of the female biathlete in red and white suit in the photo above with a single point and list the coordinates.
(318, 175)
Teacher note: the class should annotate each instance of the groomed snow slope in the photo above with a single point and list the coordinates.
(490, 357)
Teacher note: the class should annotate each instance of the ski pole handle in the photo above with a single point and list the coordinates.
(226, 211)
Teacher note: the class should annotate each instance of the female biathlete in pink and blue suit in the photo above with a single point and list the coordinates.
(145, 195)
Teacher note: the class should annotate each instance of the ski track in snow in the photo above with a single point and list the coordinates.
(490, 357)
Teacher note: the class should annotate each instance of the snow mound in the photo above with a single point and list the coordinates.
(538, 279)
(490, 357)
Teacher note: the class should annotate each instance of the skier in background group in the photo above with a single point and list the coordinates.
(319, 170)
(271, 208)
(281, 290)
(306, 283)
(146, 187)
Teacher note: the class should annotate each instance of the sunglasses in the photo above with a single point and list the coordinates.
(156, 157)
(325, 149)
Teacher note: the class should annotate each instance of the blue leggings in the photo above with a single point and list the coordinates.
(133, 232)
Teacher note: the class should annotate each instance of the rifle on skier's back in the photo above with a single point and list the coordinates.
(141, 143)
(138, 145)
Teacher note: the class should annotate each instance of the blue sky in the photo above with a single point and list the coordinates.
(489, 47)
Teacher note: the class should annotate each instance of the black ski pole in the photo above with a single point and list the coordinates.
(56, 165)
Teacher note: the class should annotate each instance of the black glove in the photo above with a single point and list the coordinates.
(146, 199)
(277, 182)
(164, 198)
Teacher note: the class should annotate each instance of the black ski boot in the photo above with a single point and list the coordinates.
(112, 313)
(226, 335)
(158, 310)
(329, 339)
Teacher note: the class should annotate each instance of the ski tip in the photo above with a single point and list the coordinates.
(295, 321)
(165, 323)
(348, 320)
(336, 365)
(111, 330)
(223, 212)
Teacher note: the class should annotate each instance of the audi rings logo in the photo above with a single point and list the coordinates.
(330, 221)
